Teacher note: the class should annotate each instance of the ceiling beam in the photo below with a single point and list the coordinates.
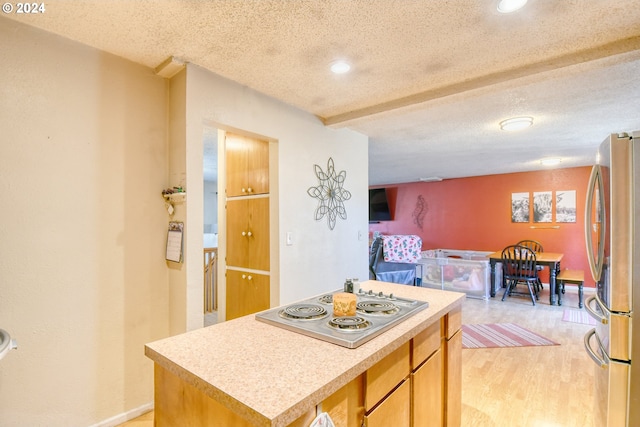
(599, 52)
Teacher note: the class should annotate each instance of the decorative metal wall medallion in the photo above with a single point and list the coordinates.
(330, 194)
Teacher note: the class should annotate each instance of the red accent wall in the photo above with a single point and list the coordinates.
(475, 213)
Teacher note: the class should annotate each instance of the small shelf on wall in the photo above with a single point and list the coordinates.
(172, 198)
(175, 197)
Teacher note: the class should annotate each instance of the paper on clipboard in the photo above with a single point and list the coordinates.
(174, 242)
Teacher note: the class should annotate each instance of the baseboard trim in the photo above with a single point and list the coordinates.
(125, 416)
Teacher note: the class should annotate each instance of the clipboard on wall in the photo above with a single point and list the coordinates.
(174, 242)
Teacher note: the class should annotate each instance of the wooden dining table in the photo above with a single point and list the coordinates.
(548, 259)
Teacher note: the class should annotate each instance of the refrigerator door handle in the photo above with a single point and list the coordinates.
(601, 362)
(592, 312)
(594, 222)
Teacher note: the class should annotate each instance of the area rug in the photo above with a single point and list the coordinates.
(578, 316)
(493, 335)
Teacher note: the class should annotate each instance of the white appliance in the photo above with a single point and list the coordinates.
(612, 231)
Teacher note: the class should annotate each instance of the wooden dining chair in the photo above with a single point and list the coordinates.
(519, 266)
(536, 247)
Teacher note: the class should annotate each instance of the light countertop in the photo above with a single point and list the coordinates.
(270, 375)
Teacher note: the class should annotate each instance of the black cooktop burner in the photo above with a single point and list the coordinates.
(326, 299)
(303, 312)
(376, 313)
(377, 307)
(349, 323)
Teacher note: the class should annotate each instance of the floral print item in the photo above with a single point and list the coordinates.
(402, 248)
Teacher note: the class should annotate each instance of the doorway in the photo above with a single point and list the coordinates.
(210, 223)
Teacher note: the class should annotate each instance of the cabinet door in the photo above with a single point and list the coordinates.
(453, 406)
(394, 411)
(427, 392)
(247, 165)
(346, 406)
(385, 375)
(248, 233)
(178, 403)
(246, 293)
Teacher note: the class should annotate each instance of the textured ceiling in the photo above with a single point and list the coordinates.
(430, 80)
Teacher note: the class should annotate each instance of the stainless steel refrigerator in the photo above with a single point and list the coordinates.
(612, 231)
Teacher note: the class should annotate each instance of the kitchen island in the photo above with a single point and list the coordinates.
(248, 373)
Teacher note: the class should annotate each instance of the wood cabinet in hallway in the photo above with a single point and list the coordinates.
(247, 225)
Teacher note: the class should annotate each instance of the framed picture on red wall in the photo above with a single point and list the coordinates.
(566, 206)
(542, 202)
(519, 207)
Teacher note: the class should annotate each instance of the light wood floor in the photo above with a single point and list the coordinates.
(549, 386)
(145, 420)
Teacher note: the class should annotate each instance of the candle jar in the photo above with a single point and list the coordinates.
(344, 304)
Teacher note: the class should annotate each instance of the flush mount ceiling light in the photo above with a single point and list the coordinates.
(516, 123)
(508, 6)
(340, 67)
(551, 161)
(431, 179)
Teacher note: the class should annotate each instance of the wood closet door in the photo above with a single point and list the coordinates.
(248, 233)
(247, 163)
(246, 293)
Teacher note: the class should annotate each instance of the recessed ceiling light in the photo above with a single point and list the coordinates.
(508, 6)
(516, 123)
(551, 161)
(340, 67)
(431, 179)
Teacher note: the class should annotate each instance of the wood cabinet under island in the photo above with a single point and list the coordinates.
(248, 373)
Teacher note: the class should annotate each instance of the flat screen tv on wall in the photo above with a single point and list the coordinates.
(378, 205)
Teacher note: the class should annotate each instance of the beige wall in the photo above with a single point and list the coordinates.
(178, 177)
(319, 259)
(83, 281)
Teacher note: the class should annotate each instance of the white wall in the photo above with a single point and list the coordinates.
(210, 208)
(83, 281)
(319, 259)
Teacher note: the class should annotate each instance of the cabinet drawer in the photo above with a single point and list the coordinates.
(394, 411)
(426, 343)
(385, 375)
(454, 321)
